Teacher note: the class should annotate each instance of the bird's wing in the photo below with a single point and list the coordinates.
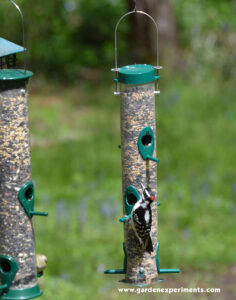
(138, 215)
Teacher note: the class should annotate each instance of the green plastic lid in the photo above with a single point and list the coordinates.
(137, 74)
(14, 74)
(14, 79)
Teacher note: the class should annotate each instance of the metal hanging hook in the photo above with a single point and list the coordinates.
(116, 29)
(23, 31)
(116, 69)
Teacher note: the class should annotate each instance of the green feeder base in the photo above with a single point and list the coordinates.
(22, 294)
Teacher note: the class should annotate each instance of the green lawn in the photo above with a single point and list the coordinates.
(77, 173)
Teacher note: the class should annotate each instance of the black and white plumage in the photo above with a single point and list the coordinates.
(141, 219)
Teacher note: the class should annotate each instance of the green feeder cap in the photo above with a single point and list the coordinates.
(14, 78)
(137, 74)
(14, 74)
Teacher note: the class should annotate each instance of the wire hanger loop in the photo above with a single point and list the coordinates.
(23, 31)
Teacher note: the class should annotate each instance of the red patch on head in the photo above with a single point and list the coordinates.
(152, 198)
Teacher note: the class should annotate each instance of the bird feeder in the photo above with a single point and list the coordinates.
(18, 272)
(137, 86)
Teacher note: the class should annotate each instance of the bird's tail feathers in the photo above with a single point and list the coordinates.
(148, 245)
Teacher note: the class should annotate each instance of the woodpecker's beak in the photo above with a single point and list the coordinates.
(152, 198)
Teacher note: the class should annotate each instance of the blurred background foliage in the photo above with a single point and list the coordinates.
(66, 39)
(74, 120)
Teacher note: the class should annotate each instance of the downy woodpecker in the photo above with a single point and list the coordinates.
(141, 219)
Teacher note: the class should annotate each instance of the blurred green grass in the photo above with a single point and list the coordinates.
(77, 172)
